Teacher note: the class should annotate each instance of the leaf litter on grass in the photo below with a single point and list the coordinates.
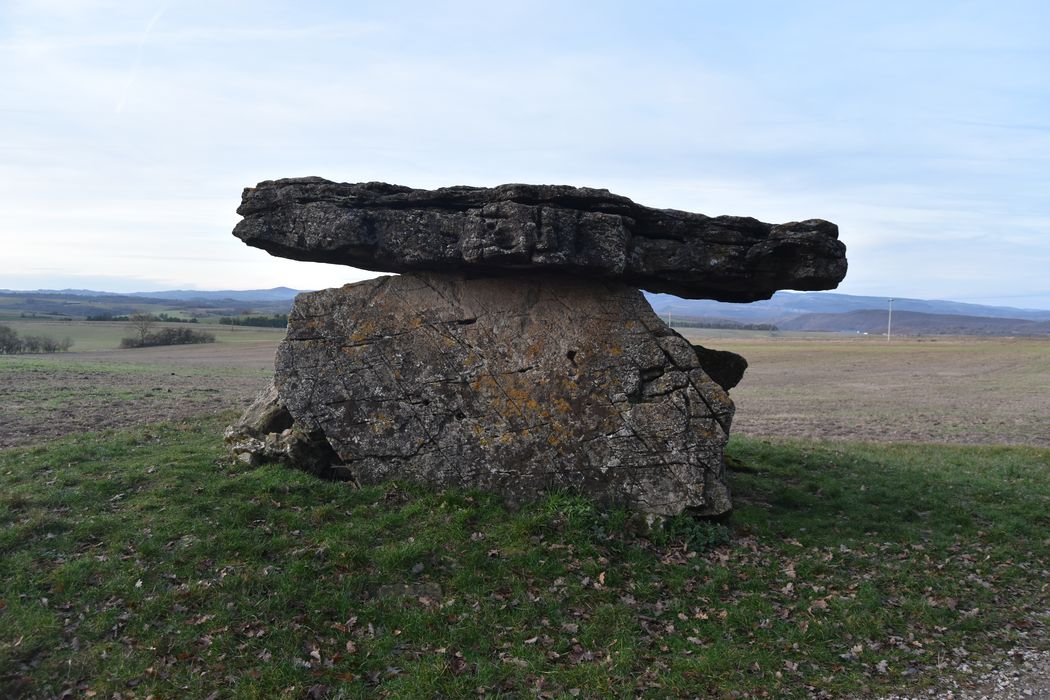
(851, 569)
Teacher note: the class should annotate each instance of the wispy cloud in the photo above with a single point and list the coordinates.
(128, 130)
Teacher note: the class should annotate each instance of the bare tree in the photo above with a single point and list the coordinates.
(142, 323)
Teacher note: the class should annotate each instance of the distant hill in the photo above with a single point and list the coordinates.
(873, 322)
(787, 305)
(80, 303)
(275, 294)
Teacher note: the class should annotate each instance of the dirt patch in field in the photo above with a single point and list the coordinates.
(46, 397)
(955, 390)
(964, 391)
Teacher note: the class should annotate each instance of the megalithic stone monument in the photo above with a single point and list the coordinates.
(514, 352)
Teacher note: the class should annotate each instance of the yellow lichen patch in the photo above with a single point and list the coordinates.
(362, 331)
(380, 423)
(562, 406)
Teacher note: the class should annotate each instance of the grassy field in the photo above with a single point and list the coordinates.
(93, 336)
(144, 563)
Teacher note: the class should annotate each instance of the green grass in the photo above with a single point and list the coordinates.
(146, 563)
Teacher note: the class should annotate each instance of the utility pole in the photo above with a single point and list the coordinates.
(889, 322)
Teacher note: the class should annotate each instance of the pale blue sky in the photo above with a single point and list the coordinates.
(127, 129)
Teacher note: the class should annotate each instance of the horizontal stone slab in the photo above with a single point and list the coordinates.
(545, 228)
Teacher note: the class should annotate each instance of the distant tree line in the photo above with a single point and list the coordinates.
(159, 317)
(731, 325)
(34, 314)
(274, 321)
(11, 343)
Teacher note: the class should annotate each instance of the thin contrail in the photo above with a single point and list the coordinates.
(136, 67)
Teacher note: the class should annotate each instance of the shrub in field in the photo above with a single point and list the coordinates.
(168, 336)
(11, 343)
(44, 343)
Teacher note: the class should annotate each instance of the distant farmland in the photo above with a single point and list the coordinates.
(873, 321)
(58, 305)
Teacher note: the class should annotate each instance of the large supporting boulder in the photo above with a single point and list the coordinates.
(515, 384)
(543, 228)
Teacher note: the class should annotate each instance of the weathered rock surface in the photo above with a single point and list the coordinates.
(517, 384)
(513, 228)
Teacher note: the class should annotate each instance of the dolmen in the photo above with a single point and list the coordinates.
(513, 352)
